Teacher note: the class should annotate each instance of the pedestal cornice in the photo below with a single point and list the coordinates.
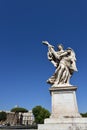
(63, 88)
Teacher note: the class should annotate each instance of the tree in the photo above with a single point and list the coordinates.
(19, 109)
(84, 114)
(3, 116)
(40, 114)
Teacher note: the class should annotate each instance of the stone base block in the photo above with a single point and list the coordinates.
(64, 124)
(64, 103)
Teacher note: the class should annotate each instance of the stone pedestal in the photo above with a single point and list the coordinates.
(64, 124)
(65, 115)
(64, 103)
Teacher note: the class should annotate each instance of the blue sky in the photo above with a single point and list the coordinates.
(24, 67)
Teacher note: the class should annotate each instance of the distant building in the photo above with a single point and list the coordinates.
(19, 118)
(28, 118)
(12, 118)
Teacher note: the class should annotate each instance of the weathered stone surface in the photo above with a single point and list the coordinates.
(65, 115)
(64, 124)
(64, 102)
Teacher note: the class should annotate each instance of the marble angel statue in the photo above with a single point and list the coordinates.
(65, 63)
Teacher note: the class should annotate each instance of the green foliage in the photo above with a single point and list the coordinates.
(19, 109)
(84, 114)
(3, 116)
(40, 114)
